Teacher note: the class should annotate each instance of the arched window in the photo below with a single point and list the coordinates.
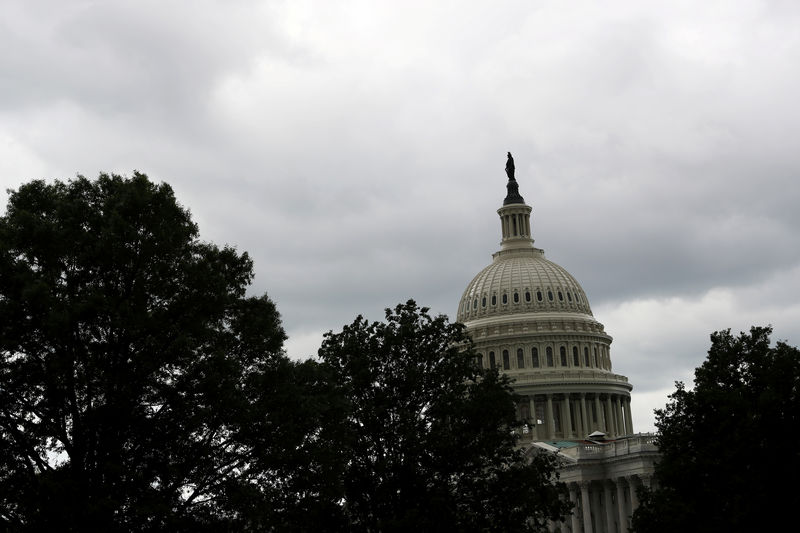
(575, 359)
(560, 297)
(549, 354)
(479, 360)
(550, 295)
(494, 299)
(595, 356)
(563, 353)
(520, 358)
(585, 356)
(516, 297)
(535, 357)
(506, 362)
(527, 296)
(483, 301)
(475, 303)
(569, 297)
(539, 296)
(505, 298)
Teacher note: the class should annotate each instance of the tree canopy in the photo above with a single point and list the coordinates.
(140, 387)
(428, 435)
(729, 446)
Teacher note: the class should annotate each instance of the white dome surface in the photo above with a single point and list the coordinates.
(520, 281)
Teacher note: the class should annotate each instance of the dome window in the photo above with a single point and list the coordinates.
(563, 353)
(560, 297)
(549, 354)
(491, 360)
(585, 356)
(506, 362)
(475, 303)
(505, 298)
(569, 297)
(520, 358)
(535, 357)
(576, 361)
(516, 297)
(539, 296)
(494, 299)
(528, 296)
(550, 295)
(479, 360)
(483, 301)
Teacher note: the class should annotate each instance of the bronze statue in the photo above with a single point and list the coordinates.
(512, 186)
(510, 167)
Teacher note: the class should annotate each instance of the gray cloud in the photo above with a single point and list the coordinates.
(356, 150)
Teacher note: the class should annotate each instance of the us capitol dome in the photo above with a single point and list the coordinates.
(531, 318)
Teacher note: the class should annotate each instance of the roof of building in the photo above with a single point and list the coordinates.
(521, 281)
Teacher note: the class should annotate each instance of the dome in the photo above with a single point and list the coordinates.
(520, 281)
(530, 319)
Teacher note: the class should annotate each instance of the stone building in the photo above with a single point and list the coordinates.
(531, 319)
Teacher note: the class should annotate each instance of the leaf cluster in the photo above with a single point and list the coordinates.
(133, 367)
(729, 445)
(428, 435)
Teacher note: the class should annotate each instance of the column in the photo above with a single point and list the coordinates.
(608, 486)
(567, 424)
(551, 423)
(623, 420)
(628, 414)
(599, 411)
(611, 430)
(634, 496)
(573, 497)
(584, 417)
(587, 507)
(623, 512)
(535, 428)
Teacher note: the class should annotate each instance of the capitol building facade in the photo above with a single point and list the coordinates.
(531, 319)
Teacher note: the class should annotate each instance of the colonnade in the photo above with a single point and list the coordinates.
(603, 506)
(516, 223)
(576, 415)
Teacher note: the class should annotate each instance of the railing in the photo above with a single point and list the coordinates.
(574, 375)
(644, 442)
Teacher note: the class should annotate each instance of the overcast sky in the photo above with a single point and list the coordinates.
(356, 149)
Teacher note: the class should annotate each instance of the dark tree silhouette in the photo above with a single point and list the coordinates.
(729, 446)
(140, 388)
(428, 439)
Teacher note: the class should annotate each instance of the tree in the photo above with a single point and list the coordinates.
(140, 388)
(428, 436)
(729, 446)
